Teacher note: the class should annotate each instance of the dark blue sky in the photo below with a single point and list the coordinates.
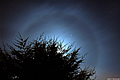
(94, 26)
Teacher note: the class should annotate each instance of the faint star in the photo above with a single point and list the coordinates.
(111, 11)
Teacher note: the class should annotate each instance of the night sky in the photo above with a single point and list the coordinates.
(94, 26)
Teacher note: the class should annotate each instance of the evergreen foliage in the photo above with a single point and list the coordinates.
(40, 60)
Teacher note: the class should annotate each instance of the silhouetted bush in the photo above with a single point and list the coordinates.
(42, 59)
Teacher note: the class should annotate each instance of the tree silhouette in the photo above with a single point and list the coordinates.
(41, 60)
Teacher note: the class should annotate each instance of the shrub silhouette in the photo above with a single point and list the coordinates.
(41, 60)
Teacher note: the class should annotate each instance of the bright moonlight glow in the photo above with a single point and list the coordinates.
(59, 50)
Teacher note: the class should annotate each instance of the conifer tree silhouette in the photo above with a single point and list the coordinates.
(40, 60)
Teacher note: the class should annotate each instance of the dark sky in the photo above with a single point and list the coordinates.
(94, 26)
